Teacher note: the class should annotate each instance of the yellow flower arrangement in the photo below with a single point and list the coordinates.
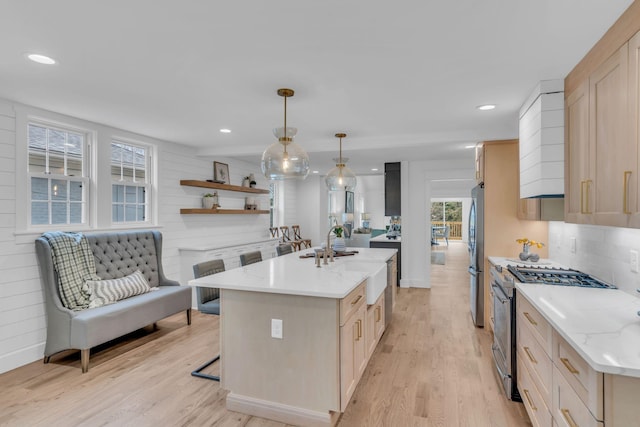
(527, 242)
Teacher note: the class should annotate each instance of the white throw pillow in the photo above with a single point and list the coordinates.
(103, 292)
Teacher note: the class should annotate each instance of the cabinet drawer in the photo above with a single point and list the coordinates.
(568, 410)
(351, 303)
(538, 411)
(540, 329)
(539, 365)
(584, 380)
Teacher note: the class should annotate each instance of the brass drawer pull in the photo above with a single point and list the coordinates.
(533, 359)
(569, 366)
(568, 418)
(357, 300)
(625, 193)
(359, 328)
(582, 183)
(378, 315)
(526, 393)
(588, 182)
(530, 319)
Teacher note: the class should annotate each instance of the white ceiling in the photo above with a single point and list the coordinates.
(401, 78)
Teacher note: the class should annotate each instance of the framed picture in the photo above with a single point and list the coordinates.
(221, 172)
(348, 202)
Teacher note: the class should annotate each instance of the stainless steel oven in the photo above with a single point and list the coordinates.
(504, 330)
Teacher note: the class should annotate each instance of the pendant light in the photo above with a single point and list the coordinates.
(341, 177)
(285, 159)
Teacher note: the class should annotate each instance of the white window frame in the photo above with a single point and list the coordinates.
(148, 185)
(23, 187)
(97, 161)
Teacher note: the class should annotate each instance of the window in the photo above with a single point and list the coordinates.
(58, 178)
(130, 188)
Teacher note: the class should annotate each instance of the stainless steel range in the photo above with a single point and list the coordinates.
(504, 310)
(556, 276)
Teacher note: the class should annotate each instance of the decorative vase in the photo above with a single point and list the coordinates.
(339, 245)
(208, 202)
(524, 255)
(245, 182)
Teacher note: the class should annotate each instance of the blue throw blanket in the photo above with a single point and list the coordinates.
(73, 261)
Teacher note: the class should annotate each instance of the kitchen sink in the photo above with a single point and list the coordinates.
(376, 271)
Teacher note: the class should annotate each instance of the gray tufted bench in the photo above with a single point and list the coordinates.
(116, 255)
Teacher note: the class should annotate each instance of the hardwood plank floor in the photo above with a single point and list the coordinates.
(431, 368)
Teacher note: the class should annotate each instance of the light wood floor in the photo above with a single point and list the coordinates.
(431, 368)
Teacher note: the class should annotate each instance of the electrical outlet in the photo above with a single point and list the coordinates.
(572, 244)
(276, 328)
(633, 260)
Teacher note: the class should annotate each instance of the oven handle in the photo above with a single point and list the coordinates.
(502, 300)
(494, 348)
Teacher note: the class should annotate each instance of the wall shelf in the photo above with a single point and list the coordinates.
(226, 187)
(221, 211)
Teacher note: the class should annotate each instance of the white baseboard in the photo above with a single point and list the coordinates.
(21, 357)
(279, 412)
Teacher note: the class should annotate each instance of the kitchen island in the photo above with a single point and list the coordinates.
(296, 338)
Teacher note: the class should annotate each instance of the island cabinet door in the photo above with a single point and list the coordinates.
(352, 354)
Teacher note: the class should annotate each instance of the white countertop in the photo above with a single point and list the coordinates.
(289, 274)
(602, 325)
(383, 238)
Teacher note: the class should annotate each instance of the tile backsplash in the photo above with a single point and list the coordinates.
(600, 251)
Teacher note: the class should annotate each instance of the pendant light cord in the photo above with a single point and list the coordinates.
(285, 124)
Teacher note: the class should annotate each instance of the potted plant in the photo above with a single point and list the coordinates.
(210, 201)
(338, 243)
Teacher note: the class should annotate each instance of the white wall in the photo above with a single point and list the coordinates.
(600, 251)
(373, 196)
(22, 321)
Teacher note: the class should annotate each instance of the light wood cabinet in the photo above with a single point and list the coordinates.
(601, 130)
(613, 156)
(559, 387)
(479, 164)
(375, 324)
(353, 353)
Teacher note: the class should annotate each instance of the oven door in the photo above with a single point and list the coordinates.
(502, 336)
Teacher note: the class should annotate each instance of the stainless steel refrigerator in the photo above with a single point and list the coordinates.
(476, 254)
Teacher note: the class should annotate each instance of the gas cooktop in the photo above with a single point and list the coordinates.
(556, 276)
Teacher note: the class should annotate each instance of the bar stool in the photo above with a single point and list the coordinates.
(275, 232)
(286, 238)
(208, 303)
(296, 235)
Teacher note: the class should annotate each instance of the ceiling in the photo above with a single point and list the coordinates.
(401, 78)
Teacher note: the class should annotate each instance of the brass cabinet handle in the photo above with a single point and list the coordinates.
(625, 193)
(582, 183)
(359, 328)
(568, 418)
(533, 359)
(378, 315)
(588, 182)
(526, 393)
(357, 300)
(569, 366)
(530, 319)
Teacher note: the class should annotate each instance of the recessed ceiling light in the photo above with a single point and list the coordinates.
(315, 172)
(469, 146)
(486, 107)
(41, 59)
(225, 130)
(374, 169)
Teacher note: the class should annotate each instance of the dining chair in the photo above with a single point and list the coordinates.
(250, 258)
(286, 238)
(297, 236)
(275, 232)
(208, 303)
(284, 249)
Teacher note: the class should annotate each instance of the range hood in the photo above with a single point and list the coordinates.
(542, 142)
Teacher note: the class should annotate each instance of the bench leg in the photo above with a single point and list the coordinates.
(188, 316)
(84, 359)
(47, 359)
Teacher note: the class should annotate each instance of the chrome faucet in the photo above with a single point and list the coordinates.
(328, 252)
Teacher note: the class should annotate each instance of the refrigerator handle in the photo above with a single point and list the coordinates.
(472, 271)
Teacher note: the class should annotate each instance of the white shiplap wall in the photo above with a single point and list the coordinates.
(22, 317)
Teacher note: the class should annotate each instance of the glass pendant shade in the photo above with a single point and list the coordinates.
(278, 163)
(285, 159)
(341, 178)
